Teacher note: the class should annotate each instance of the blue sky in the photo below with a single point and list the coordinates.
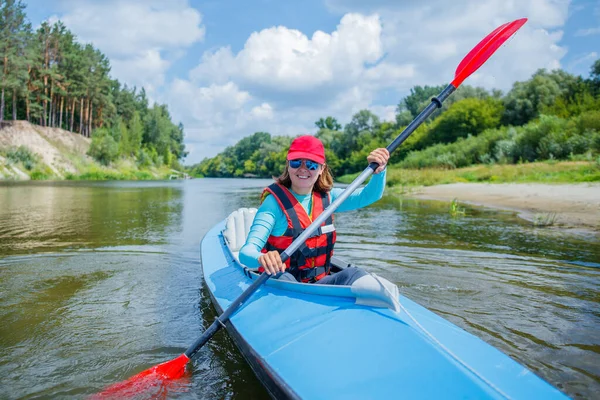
(227, 69)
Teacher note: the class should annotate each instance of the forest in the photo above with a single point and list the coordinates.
(50, 79)
(553, 115)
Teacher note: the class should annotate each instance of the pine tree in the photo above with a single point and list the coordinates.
(14, 31)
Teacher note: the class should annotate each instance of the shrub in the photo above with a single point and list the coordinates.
(595, 141)
(103, 147)
(504, 151)
(578, 144)
(589, 121)
(24, 156)
(143, 176)
(40, 174)
(530, 137)
(466, 117)
(144, 159)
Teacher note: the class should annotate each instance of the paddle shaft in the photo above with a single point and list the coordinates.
(477, 56)
(436, 102)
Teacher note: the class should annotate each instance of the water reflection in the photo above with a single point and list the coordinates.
(53, 216)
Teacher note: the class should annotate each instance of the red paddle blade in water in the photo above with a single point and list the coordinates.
(485, 49)
(154, 377)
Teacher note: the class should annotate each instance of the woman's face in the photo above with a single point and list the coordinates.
(304, 176)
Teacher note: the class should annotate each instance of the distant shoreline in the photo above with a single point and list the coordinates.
(566, 205)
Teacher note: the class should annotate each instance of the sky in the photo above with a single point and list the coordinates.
(227, 69)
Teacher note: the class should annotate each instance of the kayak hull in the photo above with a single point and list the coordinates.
(277, 387)
(316, 342)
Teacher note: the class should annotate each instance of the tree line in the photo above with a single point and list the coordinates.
(552, 115)
(49, 78)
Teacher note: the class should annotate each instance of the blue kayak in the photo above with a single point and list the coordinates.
(364, 341)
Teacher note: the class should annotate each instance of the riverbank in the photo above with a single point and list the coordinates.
(561, 205)
(33, 152)
(29, 151)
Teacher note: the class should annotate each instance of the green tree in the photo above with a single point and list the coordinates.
(328, 123)
(526, 100)
(103, 147)
(136, 131)
(14, 35)
(363, 123)
(419, 98)
(125, 140)
(467, 117)
(576, 99)
(55, 81)
(595, 77)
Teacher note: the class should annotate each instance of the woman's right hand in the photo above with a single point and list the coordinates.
(271, 262)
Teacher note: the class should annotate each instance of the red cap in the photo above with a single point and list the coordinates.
(308, 147)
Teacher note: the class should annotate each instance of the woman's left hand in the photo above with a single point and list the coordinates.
(381, 157)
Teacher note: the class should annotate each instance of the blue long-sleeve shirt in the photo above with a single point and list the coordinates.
(270, 219)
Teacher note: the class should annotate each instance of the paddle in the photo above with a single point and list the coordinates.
(175, 368)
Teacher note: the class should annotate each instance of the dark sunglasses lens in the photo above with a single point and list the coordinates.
(295, 163)
(311, 165)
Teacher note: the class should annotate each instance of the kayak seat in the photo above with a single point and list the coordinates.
(370, 290)
(375, 291)
(237, 228)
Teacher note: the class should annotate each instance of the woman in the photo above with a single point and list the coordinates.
(290, 204)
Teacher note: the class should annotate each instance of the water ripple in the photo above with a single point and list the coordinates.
(99, 281)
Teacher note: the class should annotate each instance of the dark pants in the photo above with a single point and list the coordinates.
(344, 277)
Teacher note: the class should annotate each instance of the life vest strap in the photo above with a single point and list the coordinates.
(310, 274)
(318, 232)
(288, 206)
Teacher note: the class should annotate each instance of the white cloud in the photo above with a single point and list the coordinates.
(588, 32)
(385, 113)
(264, 111)
(286, 60)
(388, 74)
(146, 68)
(294, 80)
(210, 106)
(434, 35)
(214, 116)
(141, 38)
(217, 67)
(218, 116)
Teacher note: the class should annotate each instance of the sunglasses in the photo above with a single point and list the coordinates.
(310, 165)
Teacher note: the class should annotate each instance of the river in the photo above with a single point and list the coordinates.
(99, 281)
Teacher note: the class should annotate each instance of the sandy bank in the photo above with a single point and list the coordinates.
(52, 145)
(574, 205)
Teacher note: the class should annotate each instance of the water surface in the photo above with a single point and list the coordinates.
(99, 281)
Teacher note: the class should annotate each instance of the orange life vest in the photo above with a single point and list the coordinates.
(311, 261)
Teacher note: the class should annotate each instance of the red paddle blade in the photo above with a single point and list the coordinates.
(484, 50)
(152, 378)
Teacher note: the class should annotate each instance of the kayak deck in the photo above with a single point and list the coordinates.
(306, 341)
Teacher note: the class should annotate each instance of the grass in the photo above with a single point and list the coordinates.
(541, 172)
(92, 171)
(123, 172)
(41, 173)
(543, 220)
(455, 209)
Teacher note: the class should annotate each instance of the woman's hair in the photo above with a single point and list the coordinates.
(323, 184)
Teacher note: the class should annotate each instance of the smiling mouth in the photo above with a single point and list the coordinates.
(303, 176)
